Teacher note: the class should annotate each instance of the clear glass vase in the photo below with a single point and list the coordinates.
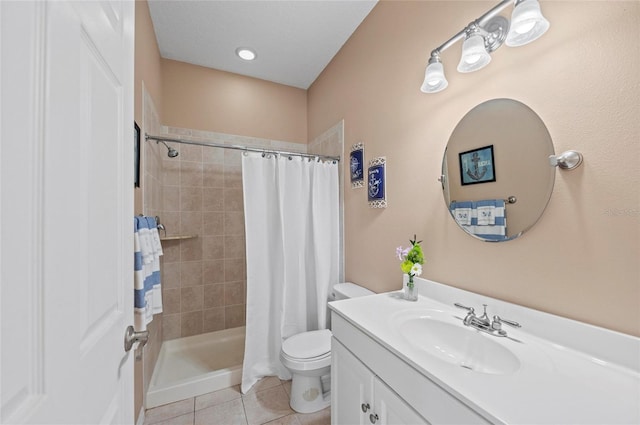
(410, 290)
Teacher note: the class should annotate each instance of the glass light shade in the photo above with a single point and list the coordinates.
(527, 24)
(474, 54)
(434, 79)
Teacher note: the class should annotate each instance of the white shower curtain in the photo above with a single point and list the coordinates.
(292, 237)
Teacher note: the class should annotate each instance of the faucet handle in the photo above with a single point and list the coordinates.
(497, 320)
(469, 309)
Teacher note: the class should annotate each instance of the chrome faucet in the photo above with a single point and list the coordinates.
(483, 323)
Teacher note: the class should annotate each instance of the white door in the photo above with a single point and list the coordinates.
(66, 211)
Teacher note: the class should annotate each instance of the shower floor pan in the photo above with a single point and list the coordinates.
(196, 365)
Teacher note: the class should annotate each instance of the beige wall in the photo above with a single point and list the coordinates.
(211, 100)
(147, 72)
(147, 61)
(582, 78)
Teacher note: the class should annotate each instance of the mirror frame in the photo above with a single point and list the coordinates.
(519, 174)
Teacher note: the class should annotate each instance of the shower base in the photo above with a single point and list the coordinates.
(196, 365)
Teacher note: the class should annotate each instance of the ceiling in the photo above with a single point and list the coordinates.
(294, 39)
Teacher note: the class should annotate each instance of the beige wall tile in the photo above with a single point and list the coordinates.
(213, 223)
(191, 323)
(170, 199)
(234, 246)
(234, 269)
(191, 199)
(233, 157)
(233, 200)
(213, 199)
(190, 173)
(171, 251)
(234, 316)
(191, 298)
(234, 223)
(171, 301)
(171, 326)
(214, 295)
(213, 175)
(170, 172)
(212, 247)
(191, 273)
(191, 222)
(232, 176)
(234, 293)
(191, 249)
(170, 274)
(213, 155)
(213, 271)
(191, 153)
(213, 319)
(171, 221)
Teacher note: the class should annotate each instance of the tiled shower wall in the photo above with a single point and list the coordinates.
(204, 277)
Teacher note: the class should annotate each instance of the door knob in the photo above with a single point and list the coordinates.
(131, 337)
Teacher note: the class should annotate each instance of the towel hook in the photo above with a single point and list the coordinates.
(568, 160)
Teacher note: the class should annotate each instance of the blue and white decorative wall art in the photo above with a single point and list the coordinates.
(477, 166)
(377, 183)
(356, 165)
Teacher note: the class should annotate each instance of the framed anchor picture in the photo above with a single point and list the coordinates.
(477, 166)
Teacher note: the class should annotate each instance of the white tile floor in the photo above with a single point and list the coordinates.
(266, 403)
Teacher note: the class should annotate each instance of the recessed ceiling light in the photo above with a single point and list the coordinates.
(246, 54)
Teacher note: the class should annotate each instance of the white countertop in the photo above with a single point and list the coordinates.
(555, 383)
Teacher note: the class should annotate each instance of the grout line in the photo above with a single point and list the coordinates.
(244, 409)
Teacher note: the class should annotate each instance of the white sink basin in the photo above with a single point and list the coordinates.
(433, 333)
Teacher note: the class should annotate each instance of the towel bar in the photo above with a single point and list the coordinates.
(510, 200)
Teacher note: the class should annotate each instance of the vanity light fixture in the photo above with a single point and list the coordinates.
(485, 35)
(245, 53)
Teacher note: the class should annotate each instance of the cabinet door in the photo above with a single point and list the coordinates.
(351, 388)
(391, 409)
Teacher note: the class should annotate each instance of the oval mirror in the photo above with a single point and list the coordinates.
(496, 177)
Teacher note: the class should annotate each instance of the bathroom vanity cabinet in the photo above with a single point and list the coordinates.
(400, 362)
(370, 385)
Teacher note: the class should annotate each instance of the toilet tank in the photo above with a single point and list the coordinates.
(346, 290)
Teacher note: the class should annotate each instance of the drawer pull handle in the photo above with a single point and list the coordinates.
(373, 418)
(365, 407)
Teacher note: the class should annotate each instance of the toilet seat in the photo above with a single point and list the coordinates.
(308, 345)
(307, 350)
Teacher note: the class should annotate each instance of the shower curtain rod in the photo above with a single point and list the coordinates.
(240, 148)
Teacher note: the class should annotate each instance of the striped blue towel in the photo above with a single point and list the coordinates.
(147, 288)
(491, 219)
(486, 219)
(462, 212)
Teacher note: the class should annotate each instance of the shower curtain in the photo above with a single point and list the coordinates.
(292, 237)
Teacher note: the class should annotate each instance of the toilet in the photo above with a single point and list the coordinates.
(308, 357)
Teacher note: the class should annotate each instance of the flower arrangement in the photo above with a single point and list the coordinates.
(412, 259)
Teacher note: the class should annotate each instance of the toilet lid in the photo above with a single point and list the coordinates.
(307, 345)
